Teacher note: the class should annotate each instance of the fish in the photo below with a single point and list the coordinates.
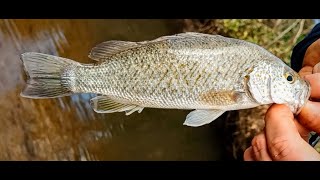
(205, 73)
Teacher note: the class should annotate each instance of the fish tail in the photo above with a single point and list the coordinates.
(45, 75)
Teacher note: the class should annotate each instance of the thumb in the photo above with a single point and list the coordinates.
(281, 132)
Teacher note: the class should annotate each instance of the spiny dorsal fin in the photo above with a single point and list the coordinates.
(107, 49)
(179, 36)
(104, 104)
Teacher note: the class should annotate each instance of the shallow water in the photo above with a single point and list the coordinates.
(67, 128)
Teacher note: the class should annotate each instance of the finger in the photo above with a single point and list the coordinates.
(316, 68)
(309, 116)
(248, 154)
(303, 131)
(281, 132)
(314, 80)
(312, 55)
(306, 70)
(259, 147)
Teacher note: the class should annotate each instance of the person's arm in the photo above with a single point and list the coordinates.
(300, 49)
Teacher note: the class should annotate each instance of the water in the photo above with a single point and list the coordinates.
(67, 128)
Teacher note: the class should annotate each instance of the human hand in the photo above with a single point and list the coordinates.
(285, 137)
(311, 59)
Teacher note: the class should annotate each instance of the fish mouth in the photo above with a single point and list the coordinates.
(303, 97)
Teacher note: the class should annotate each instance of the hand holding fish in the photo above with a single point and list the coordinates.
(311, 72)
(285, 136)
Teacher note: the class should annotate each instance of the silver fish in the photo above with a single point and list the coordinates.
(209, 74)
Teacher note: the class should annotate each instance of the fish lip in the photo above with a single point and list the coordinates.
(306, 98)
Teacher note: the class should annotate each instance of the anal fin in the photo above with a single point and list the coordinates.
(201, 117)
(104, 104)
(137, 108)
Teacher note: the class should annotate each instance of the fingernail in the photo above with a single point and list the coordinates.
(316, 68)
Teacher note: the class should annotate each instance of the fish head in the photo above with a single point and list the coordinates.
(288, 87)
(278, 83)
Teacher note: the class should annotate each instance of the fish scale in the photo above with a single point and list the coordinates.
(208, 73)
(177, 89)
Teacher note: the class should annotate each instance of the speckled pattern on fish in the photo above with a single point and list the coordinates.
(208, 73)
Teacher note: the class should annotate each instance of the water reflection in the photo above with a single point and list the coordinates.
(67, 128)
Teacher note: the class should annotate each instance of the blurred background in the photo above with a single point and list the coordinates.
(68, 129)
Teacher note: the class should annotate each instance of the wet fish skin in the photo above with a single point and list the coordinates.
(161, 74)
(209, 73)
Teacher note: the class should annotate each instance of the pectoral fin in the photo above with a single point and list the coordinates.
(104, 104)
(223, 97)
(201, 117)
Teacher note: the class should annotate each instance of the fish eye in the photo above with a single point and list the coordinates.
(289, 77)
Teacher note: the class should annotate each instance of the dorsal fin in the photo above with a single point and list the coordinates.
(179, 36)
(106, 49)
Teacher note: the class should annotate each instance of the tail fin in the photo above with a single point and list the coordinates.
(44, 75)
